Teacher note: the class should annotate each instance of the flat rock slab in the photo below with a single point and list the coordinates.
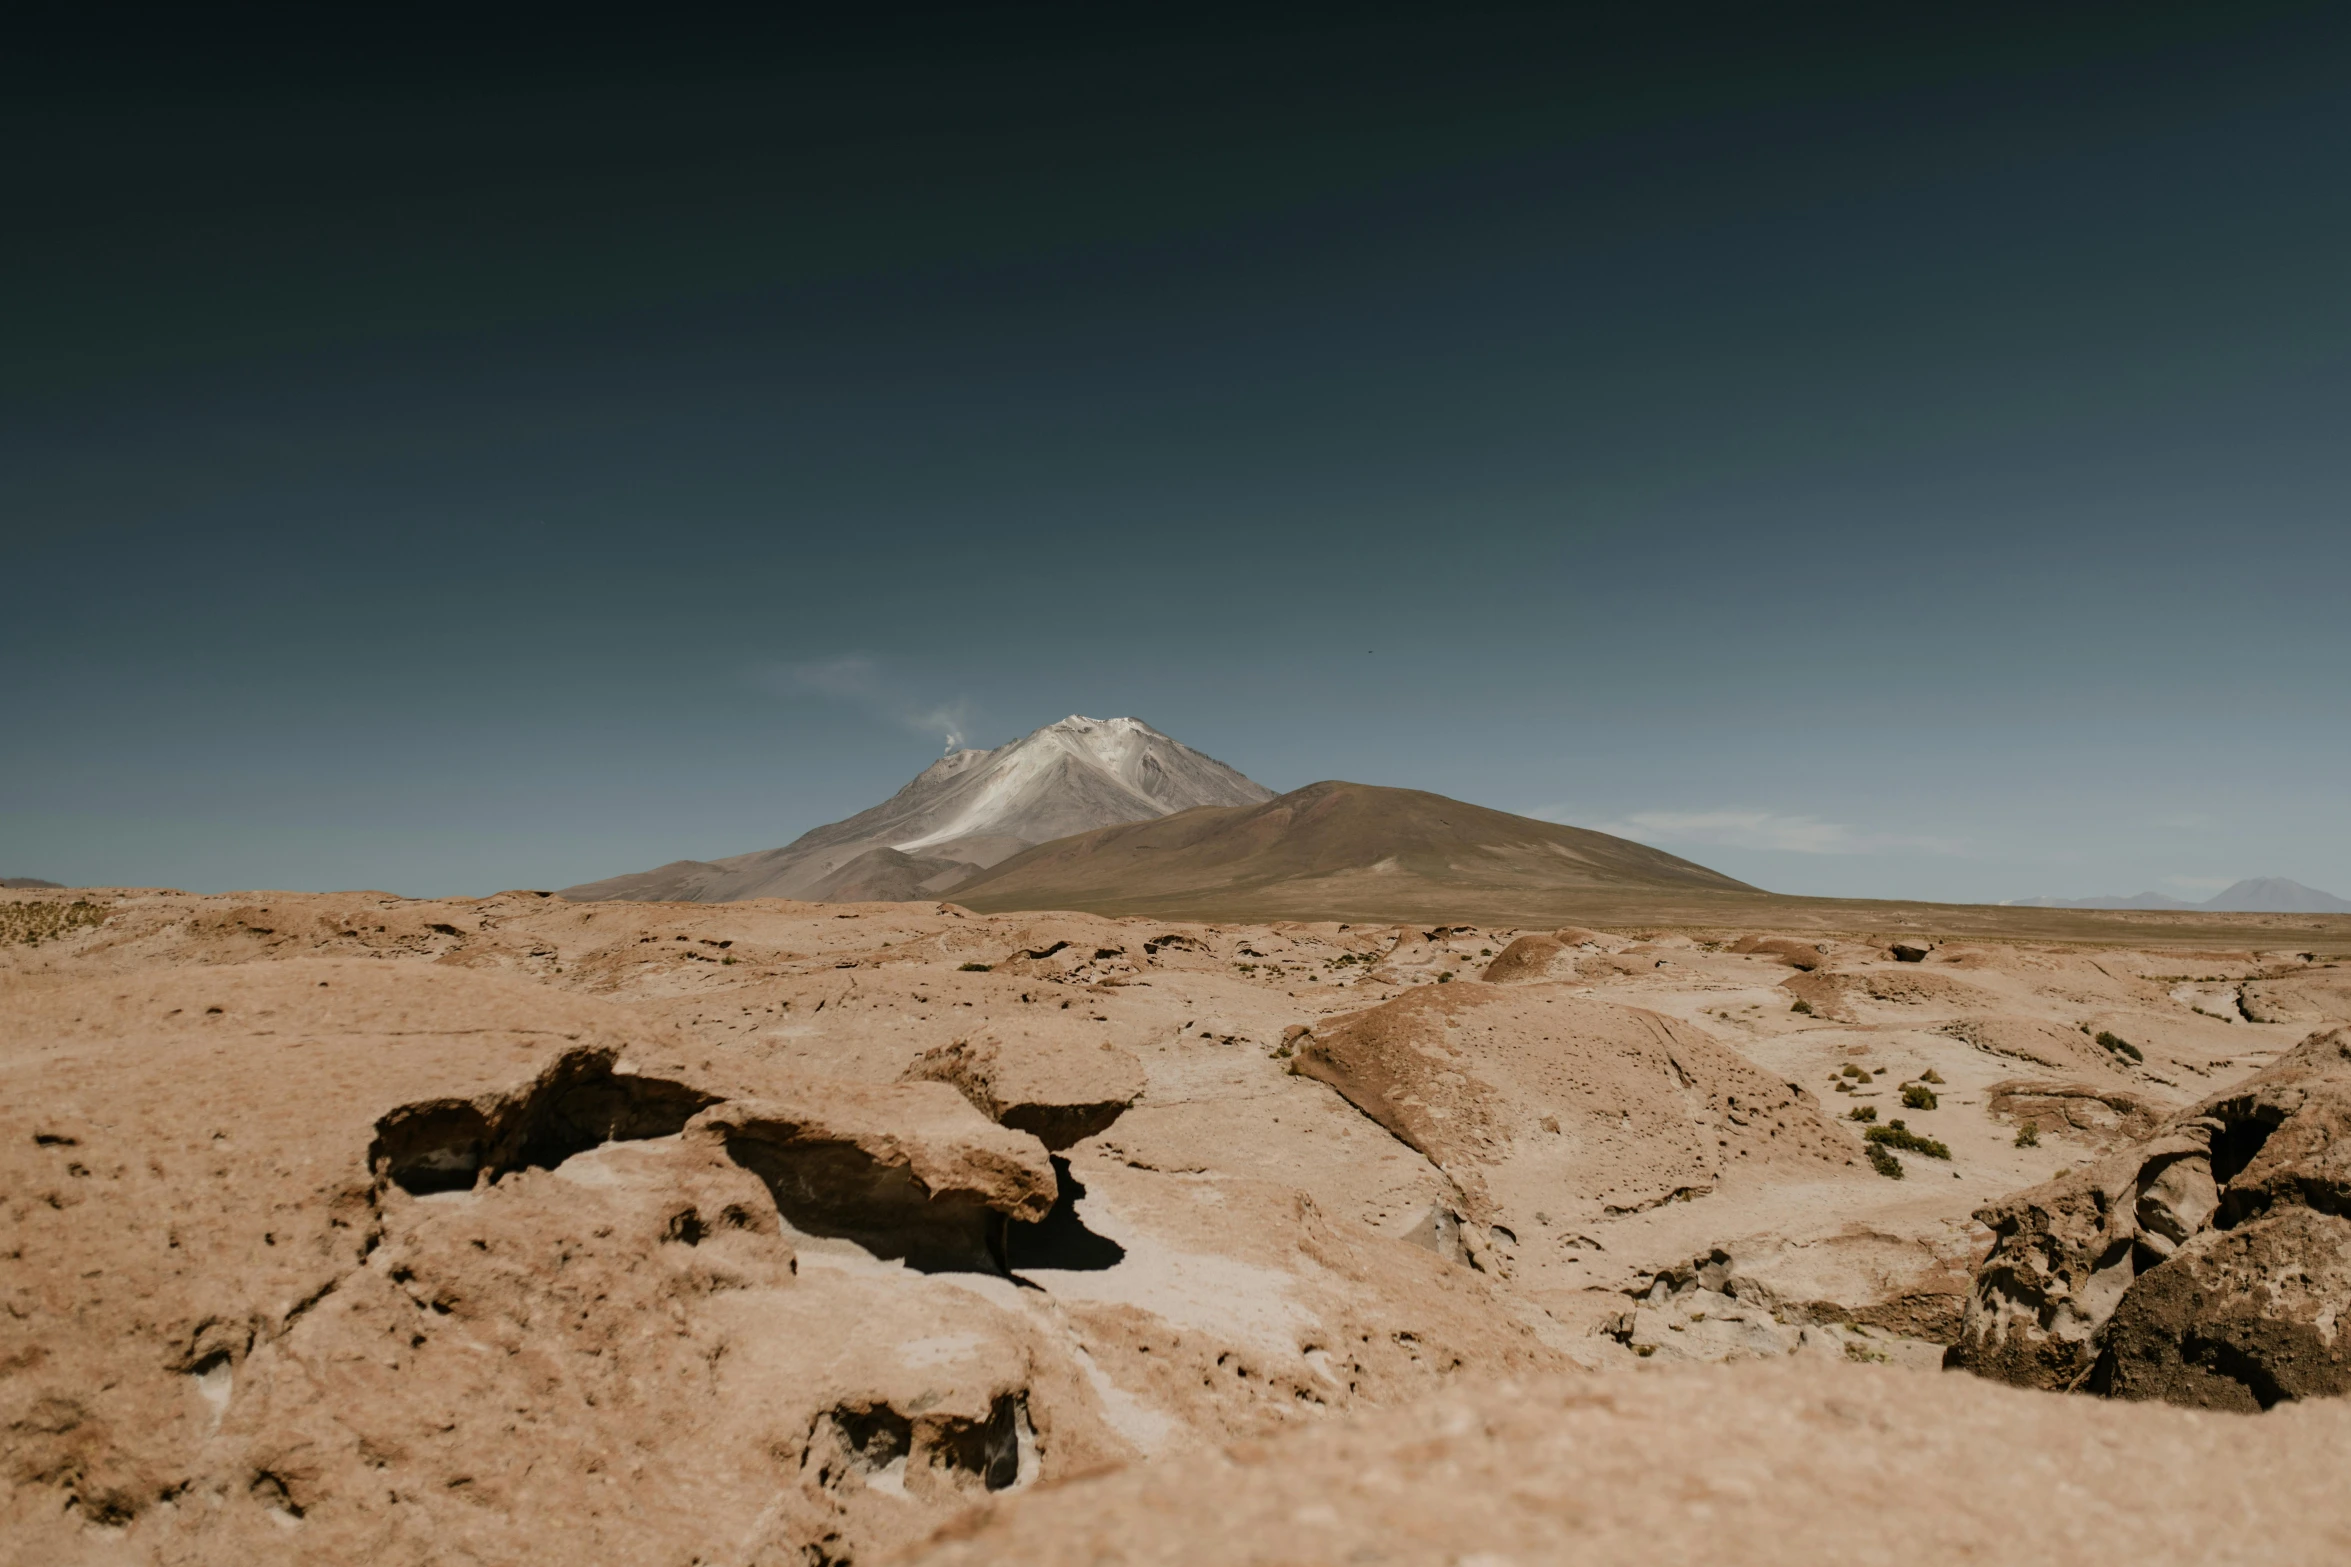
(1059, 1089)
(907, 1170)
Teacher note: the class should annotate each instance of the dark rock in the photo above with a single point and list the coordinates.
(2207, 1266)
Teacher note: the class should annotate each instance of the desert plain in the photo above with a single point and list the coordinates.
(356, 1228)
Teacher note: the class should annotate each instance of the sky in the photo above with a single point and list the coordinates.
(1873, 453)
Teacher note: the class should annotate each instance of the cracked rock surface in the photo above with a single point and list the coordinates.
(2209, 1265)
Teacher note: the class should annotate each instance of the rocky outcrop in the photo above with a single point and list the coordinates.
(904, 1170)
(1569, 953)
(2208, 1265)
(2039, 1042)
(1535, 957)
(1549, 1107)
(1805, 955)
(572, 1104)
(2315, 999)
(2239, 1319)
(2077, 1107)
(1060, 1091)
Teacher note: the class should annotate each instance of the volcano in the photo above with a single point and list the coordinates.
(965, 812)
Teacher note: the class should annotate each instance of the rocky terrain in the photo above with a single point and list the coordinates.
(348, 1228)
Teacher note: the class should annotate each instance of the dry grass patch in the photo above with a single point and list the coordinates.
(35, 922)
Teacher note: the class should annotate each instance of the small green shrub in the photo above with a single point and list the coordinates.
(1930, 1075)
(1884, 1163)
(1804, 1007)
(1444, 979)
(2120, 1045)
(1902, 1137)
(974, 968)
(2028, 1136)
(1862, 1113)
(1917, 1096)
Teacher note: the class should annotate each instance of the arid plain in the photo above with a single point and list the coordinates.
(348, 1228)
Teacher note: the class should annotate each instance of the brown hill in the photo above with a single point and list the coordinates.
(1344, 851)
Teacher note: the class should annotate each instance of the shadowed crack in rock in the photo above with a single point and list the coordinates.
(1060, 1239)
(578, 1102)
(907, 1171)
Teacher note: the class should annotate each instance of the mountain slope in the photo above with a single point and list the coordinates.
(2112, 900)
(963, 812)
(2254, 895)
(2276, 895)
(1345, 851)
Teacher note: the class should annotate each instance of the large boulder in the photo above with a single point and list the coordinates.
(2208, 1265)
(2238, 1319)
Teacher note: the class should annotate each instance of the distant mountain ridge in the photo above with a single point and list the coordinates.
(2254, 895)
(963, 813)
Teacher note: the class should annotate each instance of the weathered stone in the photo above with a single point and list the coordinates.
(1058, 1089)
(905, 1170)
(1535, 957)
(2238, 1319)
(1804, 955)
(2205, 1266)
(1536, 1099)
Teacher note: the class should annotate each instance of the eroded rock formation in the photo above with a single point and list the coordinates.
(2209, 1265)
(354, 1228)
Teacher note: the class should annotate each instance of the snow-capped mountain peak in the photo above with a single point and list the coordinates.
(966, 810)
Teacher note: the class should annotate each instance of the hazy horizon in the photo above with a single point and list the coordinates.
(1870, 456)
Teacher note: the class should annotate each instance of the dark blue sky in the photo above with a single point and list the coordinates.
(1868, 456)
